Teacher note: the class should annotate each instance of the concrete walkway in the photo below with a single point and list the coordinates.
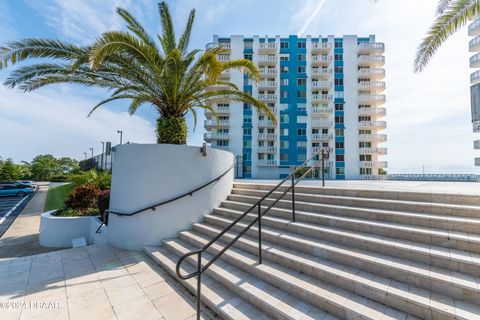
(21, 238)
(94, 282)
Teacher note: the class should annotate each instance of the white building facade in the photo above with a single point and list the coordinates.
(474, 46)
(326, 93)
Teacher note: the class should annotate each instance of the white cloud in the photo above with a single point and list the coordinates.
(55, 121)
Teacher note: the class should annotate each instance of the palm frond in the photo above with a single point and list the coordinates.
(168, 33)
(136, 27)
(442, 6)
(185, 37)
(449, 22)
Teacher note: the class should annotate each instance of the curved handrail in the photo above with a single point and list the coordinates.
(189, 193)
(199, 252)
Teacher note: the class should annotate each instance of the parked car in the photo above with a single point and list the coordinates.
(27, 183)
(15, 190)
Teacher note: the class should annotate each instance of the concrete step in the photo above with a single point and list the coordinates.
(457, 285)
(289, 270)
(441, 257)
(467, 215)
(432, 197)
(449, 239)
(273, 302)
(217, 297)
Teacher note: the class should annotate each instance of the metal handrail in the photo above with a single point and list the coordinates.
(260, 214)
(189, 193)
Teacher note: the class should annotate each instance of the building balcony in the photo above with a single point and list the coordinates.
(373, 124)
(267, 84)
(475, 77)
(371, 60)
(322, 123)
(208, 136)
(373, 164)
(477, 162)
(321, 60)
(217, 87)
(267, 136)
(216, 123)
(372, 137)
(266, 124)
(223, 57)
(321, 111)
(319, 47)
(267, 59)
(474, 28)
(322, 137)
(375, 86)
(476, 144)
(372, 98)
(267, 47)
(225, 75)
(321, 72)
(218, 110)
(267, 97)
(475, 60)
(474, 44)
(268, 72)
(325, 98)
(371, 73)
(321, 85)
(476, 127)
(224, 45)
(267, 149)
(267, 163)
(379, 151)
(317, 149)
(372, 111)
(371, 48)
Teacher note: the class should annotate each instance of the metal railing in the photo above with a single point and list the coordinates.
(319, 157)
(189, 193)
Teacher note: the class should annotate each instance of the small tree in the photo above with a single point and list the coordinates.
(9, 171)
(44, 167)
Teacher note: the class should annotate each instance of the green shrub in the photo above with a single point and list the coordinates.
(69, 212)
(101, 179)
(83, 197)
(59, 178)
(103, 201)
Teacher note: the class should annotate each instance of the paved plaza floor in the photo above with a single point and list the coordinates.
(94, 282)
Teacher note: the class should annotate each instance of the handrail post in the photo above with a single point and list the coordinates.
(259, 233)
(199, 283)
(293, 197)
(323, 168)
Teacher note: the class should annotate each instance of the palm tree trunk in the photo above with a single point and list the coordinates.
(171, 130)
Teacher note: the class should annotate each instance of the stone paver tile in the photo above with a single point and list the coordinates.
(140, 308)
(173, 306)
(122, 295)
(147, 278)
(158, 290)
(52, 307)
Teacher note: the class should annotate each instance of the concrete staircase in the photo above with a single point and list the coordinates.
(351, 254)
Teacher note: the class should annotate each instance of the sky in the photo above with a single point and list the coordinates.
(428, 114)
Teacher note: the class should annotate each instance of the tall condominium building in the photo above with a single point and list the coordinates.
(474, 46)
(325, 92)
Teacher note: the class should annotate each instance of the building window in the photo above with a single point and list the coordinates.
(301, 132)
(247, 131)
(301, 81)
(284, 144)
(247, 169)
(301, 69)
(222, 143)
(284, 156)
(283, 44)
(338, 44)
(338, 57)
(365, 157)
(301, 94)
(283, 69)
(339, 119)
(340, 170)
(284, 94)
(247, 118)
(339, 95)
(339, 132)
(247, 143)
(301, 157)
(338, 106)
(338, 69)
(247, 156)
(301, 57)
(247, 106)
(301, 45)
(339, 81)
(284, 118)
(301, 119)
(248, 56)
(364, 171)
(248, 44)
(284, 131)
(339, 157)
(284, 82)
(364, 144)
(301, 144)
(284, 57)
(301, 107)
(339, 145)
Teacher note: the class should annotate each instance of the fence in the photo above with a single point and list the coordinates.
(435, 177)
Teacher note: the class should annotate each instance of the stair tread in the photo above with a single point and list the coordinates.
(464, 256)
(218, 296)
(456, 235)
(446, 276)
(285, 304)
(371, 308)
(366, 199)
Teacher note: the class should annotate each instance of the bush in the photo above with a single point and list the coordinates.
(60, 178)
(69, 212)
(100, 179)
(103, 201)
(83, 197)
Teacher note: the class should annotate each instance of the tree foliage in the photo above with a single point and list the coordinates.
(9, 171)
(133, 65)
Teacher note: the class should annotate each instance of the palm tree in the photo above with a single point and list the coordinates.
(133, 66)
(451, 15)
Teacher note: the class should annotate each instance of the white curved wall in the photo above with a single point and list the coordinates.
(145, 174)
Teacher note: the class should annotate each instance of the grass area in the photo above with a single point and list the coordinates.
(57, 196)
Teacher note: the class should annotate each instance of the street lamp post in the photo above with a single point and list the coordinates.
(121, 135)
(103, 151)
(91, 159)
(85, 154)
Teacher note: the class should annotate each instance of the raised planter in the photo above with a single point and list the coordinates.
(58, 232)
(146, 174)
